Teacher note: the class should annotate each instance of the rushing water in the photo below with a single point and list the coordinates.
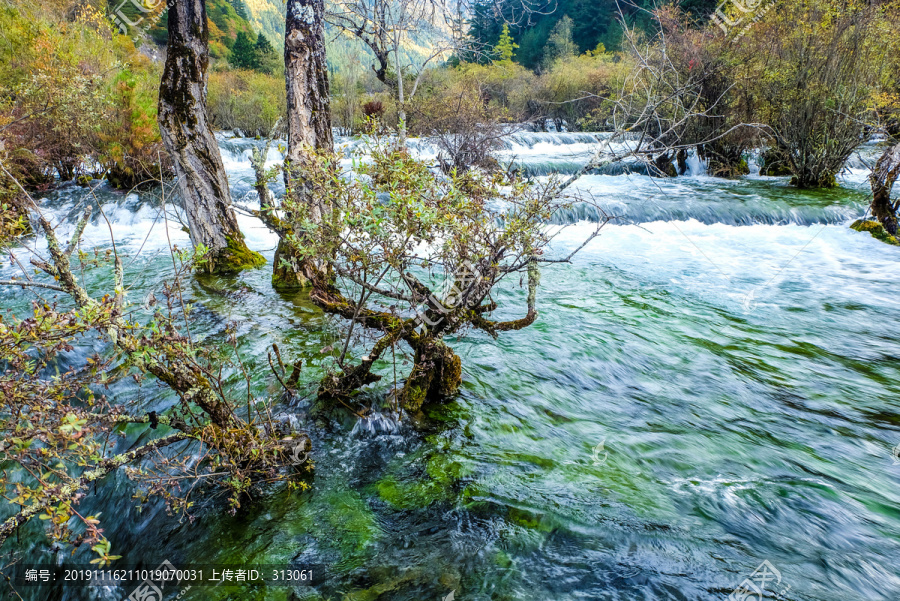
(711, 384)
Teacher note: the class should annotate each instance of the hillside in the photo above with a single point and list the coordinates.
(344, 52)
(266, 16)
(225, 22)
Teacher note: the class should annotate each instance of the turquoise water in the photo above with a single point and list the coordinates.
(711, 384)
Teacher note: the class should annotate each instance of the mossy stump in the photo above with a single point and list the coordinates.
(437, 375)
(287, 274)
(773, 164)
(876, 230)
(235, 257)
(825, 181)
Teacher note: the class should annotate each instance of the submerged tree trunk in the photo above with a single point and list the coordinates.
(436, 375)
(189, 139)
(308, 117)
(886, 171)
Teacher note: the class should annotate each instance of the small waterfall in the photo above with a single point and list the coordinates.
(754, 162)
(695, 165)
(376, 423)
(522, 140)
(727, 213)
(622, 189)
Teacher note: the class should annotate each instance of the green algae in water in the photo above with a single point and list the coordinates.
(411, 495)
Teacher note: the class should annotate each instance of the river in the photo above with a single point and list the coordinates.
(712, 383)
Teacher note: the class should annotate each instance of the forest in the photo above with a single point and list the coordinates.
(449, 299)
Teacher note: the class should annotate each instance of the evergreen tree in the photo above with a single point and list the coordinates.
(560, 43)
(243, 52)
(532, 41)
(263, 46)
(593, 22)
(267, 59)
(484, 30)
(241, 9)
(505, 47)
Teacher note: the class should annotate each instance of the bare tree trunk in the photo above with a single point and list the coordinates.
(189, 138)
(308, 118)
(886, 171)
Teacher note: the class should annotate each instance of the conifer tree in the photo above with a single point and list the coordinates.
(506, 47)
(243, 52)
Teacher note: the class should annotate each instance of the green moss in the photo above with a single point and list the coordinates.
(444, 469)
(827, 180)
(411, 495)
(342, 519)
(284, 276)
(356, 520)
(775, 170)
(876, 230)
(406, 489)
(721, 167)
(451, 375)
(413, 396)
(392, 585)
(281, 281)
(236, 257)
(529, 520)
(502, 559)
(473, 498)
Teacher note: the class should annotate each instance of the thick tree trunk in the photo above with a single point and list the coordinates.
(189, 138)
(309, 117)
(306, 77)
(436, 375)
(886, 171)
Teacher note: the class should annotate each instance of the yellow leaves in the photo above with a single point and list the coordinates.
(89, 16)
